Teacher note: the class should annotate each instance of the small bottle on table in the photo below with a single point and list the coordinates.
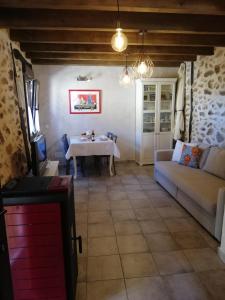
(93, 136)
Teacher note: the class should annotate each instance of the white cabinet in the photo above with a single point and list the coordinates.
(154, 117)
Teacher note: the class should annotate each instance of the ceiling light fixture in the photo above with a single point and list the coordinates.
(143, 67)
(125, 77)
(84, 78)
(119, 40)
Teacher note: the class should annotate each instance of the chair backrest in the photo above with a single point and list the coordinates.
(111, 136)
(114, 138)
(65, 143)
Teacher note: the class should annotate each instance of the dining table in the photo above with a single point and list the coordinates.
(84, 146)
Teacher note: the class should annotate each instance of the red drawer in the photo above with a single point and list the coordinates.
(32, 218)
(55, 298)
(32, 208)
(38, 273)
(37, 294)
(29, 241)
(35, 229)
(38, 283)
(38, 262)
(34, 252)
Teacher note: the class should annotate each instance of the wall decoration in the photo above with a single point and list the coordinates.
(85, 101)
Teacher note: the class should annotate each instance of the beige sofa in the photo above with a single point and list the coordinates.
(200, 193)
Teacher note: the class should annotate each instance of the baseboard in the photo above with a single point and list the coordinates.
(221, 254)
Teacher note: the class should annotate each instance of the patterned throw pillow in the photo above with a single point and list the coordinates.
(190, 156)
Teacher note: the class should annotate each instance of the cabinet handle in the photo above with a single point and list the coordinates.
(79, 239)
(3, 212)
(2, 247)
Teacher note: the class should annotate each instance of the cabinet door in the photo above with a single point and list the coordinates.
(5, 275)
(165, 125)
(149, 108)
(166, 107)
(34, 234)
(148, 147)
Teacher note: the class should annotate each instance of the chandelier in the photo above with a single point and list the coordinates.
(143, 67)
(119, 40)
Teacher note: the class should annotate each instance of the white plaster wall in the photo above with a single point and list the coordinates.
(118, 105)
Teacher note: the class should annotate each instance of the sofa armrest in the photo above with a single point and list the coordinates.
(163, 155)
(220, 213)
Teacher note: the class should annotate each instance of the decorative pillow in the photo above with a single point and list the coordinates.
(177, 151)
(215, 163)
(190, 156)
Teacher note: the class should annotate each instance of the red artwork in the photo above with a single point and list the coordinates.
(85, 101)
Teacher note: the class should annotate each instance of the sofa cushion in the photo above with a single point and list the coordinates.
(177, 151)
(190, 156)
(215, 163)
(205, 152)
(202, 187)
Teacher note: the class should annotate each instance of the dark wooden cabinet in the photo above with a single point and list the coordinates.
(40, 227)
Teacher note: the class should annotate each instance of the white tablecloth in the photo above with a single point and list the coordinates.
(79, 147)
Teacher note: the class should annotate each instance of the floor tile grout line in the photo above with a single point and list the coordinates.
(124, 281)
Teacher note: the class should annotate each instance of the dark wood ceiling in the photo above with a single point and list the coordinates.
(79, 32)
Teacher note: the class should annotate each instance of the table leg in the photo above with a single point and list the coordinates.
(110, 165)
(75, 167)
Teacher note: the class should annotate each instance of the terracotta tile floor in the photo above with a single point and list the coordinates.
(139, 243)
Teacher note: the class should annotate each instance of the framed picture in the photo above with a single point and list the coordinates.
(85, 101)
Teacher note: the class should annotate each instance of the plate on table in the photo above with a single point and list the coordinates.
(103, 138)
(83, 138)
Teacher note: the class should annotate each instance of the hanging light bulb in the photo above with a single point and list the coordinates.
(143, 67)
(119, 40)
(125, 78)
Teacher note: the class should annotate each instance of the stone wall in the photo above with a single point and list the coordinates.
(187, 101)
(208, 124)
(12, 154)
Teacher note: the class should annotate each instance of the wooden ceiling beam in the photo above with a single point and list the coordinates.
(98, 48)
(112, 57)
(131, 21)
(98, 63)
(216, 7)
(99, 37)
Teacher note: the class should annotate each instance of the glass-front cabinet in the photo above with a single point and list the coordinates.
(166, 105)
(149, 106)
(154, 117)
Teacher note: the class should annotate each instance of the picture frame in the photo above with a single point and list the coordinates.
(85, 101)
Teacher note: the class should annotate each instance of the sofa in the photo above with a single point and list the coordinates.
(202, 194)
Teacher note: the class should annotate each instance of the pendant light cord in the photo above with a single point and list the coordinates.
(118, 14)
(142, 43)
